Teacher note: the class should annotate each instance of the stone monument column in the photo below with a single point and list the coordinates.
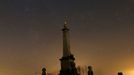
(67, 60)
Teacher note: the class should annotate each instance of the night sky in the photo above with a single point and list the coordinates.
(101, 34)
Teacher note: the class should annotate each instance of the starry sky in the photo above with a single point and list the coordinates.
(101, 34)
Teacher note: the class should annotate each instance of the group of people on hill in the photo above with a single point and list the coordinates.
(90, 71)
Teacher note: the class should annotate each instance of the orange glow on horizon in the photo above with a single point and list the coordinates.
(129, 72)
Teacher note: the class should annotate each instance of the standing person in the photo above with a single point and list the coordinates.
(120, 73)
(43, 71)
(90, 71)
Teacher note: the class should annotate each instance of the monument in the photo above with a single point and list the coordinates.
(67, 61)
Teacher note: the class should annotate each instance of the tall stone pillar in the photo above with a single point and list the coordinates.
(67, 60)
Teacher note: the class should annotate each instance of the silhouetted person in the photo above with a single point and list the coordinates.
(43, 71)
(120, 73)
(90, 71)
